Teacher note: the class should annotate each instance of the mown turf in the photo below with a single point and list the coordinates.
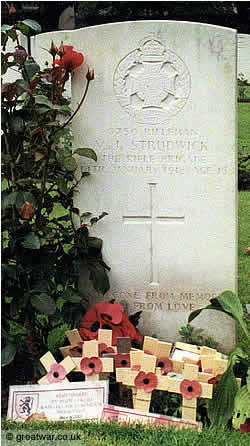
(105, 434)
(244, 128)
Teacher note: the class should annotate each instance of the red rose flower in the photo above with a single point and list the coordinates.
(71, 59)
(165, 364)
(146, 381)
(91, 365)
(214, 380)
(122, 360)
(104, 348)
(56, 373)
(245, 428)
(190, 389)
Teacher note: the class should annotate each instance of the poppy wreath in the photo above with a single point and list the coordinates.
(91, 365)
(190, 389)
(110, 316)
(165, 365)
(56, 373)
(146, 381)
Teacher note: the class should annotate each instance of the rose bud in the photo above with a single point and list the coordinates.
(53, 49)
(12, 9)
(27, 210)
(61, 51)
(90, 74)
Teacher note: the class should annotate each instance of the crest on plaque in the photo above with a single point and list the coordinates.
(26, 404)
(152, 83)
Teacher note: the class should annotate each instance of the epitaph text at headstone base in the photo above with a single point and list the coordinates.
(161, 116)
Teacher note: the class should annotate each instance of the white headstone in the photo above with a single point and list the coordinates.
(161, 115)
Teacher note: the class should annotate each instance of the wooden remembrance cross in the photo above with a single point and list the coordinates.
(153, 220)
(144, 376)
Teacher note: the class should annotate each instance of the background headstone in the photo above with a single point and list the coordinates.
(244, 55)
(161, 115)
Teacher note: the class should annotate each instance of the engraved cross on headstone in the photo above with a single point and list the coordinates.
(153, 220)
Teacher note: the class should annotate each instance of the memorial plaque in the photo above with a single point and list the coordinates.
(161, 116)
(127, 415)
(59, 402)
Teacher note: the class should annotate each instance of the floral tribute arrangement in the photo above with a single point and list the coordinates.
(102, 347)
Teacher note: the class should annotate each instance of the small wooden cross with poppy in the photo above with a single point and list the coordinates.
(56, 373)
(75, 347)
(91, 363)
(145, 377)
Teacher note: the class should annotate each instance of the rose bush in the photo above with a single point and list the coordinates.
(44, 247)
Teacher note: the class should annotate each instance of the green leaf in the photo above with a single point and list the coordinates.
(88, 153)
(33, 25)
(70, 163)
(5, 28)
(43, 100)
(31, 68)
(72, 296)
(231, 304)
(31, 241)
(44, 304)
(56, 338)
(94, 242)
(220, 408)
(241, 407)
(8, 353)
(99, 277)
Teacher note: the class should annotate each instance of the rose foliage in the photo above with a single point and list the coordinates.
(44, 246)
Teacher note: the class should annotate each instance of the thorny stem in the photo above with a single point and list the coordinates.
(78, 107)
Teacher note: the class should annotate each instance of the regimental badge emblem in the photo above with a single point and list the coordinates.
(26, 404)
(152, 83)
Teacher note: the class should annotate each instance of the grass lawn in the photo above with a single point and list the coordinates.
(105, 434)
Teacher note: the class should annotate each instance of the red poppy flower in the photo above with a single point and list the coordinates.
(245, 428)
(104, 348)
(71, 59)
(214, 380)
(190, 389)
(76, 351)
(165, 364)
(122, 360)
(146, 381)
(56, 373)
(91, 365)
